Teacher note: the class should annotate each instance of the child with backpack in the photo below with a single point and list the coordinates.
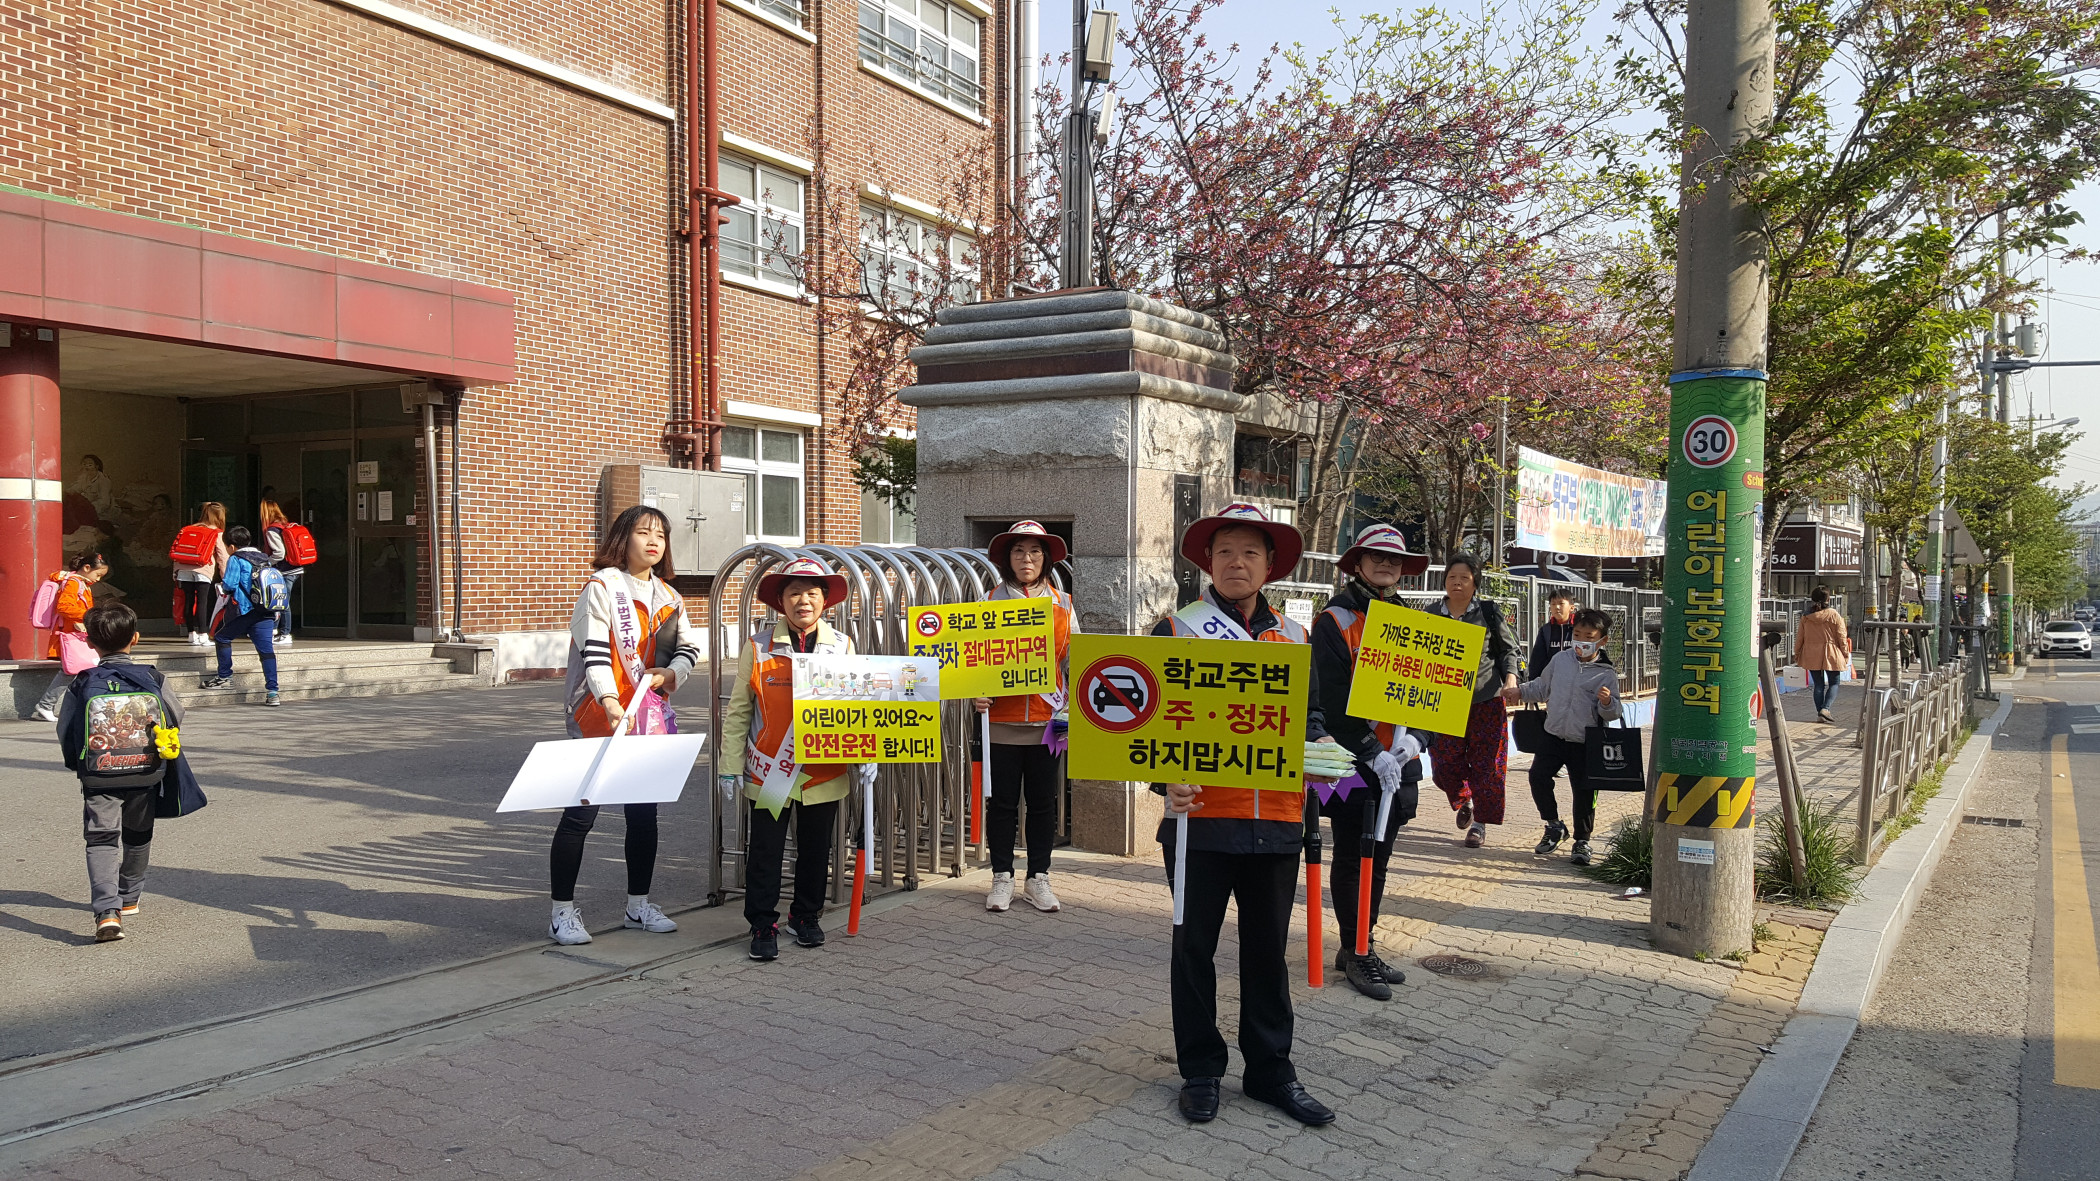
(1580, 689)
(198, 554)
(251, 594)
(62, 605)
(117, 730)
(291, 549)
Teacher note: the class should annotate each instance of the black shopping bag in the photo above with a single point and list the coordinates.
(1527, 728)
(1614, 758)
(178, 793)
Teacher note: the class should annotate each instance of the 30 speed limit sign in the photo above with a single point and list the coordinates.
(1709, 441)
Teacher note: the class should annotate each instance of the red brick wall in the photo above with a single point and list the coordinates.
(316, 126)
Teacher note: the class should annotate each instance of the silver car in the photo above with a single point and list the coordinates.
(2065, 637)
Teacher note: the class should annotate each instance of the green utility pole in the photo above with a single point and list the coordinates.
(1705, 718)
(1936, 591)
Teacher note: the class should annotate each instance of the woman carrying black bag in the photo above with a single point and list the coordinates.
(1580, 689)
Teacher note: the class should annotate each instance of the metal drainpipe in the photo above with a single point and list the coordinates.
(459, 562)
(704, 218)
(435, 527)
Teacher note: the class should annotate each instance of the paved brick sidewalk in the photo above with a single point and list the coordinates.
(951, 1044)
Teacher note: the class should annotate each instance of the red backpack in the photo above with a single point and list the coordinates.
(194, 546)
(299, 549)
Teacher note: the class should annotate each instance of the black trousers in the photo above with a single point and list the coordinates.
(1016, 768)
(813, 823)
(1350, 822)
(1266, 887)
(565, 861)
(1554, 753)
(196, 607)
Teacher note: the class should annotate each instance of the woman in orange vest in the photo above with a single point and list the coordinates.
(757, 755)
(1022, 755)
(1387, 757)
(629, 626)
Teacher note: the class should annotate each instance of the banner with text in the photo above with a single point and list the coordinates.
(867, 709)
(1416, 669)
(1566, 508)
(994, 649)
(1221, 713)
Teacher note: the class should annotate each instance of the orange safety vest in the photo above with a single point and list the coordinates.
(1036, 708)
(773, 703)
(591, 721)
(1246, 803)
(1352, 627)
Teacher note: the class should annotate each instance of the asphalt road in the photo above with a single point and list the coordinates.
(1980, 1057)
(346, 842)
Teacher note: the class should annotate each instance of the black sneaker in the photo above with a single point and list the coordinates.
(765, 942)
(1556, 832)
(216, 683)
(1391, 974)
(1580, 855)
(1363, 974)
(807, 934)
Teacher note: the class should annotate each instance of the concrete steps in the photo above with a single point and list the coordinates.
(306, 671)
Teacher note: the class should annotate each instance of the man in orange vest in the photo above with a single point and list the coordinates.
(1243, 844)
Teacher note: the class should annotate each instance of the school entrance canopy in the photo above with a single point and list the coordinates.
(118, 329)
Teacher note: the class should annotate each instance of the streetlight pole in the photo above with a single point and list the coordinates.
(1076, 239)
(1705, 749)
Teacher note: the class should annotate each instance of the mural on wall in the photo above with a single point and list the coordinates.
(125, 473)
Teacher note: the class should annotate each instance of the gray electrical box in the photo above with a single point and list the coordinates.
(706, 510)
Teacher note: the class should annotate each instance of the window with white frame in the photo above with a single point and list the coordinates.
(787, 12)
(764, 234)
(770, 460)
(884, 521)
(928, 43)
(902, 258)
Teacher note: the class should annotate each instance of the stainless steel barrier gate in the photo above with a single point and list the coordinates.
(921, 810)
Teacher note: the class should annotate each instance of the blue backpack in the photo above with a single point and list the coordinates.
(267, 589)
(120, 712)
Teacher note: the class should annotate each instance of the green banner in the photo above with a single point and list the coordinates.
(1706, 713)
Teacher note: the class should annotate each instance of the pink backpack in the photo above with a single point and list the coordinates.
(43, 613)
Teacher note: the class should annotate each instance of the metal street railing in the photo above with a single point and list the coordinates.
(1909, 728)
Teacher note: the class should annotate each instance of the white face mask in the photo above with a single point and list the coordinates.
(1586, 648)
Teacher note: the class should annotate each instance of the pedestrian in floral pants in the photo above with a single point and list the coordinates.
(1470, 769)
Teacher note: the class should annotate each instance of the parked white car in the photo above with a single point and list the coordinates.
(2065, 637)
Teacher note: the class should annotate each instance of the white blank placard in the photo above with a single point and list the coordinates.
(643, 769)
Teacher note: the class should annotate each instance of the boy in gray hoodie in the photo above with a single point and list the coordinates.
(1580, 689)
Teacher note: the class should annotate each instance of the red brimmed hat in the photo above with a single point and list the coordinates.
(1053, 546)
(1382, 539)
(1288, 543)
(770, 586)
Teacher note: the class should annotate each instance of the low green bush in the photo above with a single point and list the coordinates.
(1629, 856)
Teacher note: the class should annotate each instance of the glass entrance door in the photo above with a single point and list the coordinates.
(323, 598)
(383, 527)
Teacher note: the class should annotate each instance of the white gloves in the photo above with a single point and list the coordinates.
(1410, 748)
(866, 772)
(729, 785)
(1389, 764)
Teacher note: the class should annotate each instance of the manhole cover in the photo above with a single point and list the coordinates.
(1454, 965)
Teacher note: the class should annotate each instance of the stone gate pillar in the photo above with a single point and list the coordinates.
(1102, 409)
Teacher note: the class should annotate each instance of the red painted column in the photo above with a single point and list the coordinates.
(30, 479)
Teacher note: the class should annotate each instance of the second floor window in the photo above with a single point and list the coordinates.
(904, 258)
(764, 233)
(931, 44)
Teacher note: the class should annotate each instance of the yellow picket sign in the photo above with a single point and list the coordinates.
(867, 709)
(1001, 648)
(1222, 713)
(1416, 669)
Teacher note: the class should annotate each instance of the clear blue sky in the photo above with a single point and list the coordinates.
(2071, 315)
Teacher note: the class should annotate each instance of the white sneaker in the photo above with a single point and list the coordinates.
(649, 917)
(199, 640)
(44, 714)
(1002, 895)
(567, 928)
(284, 639)
(1039, 895)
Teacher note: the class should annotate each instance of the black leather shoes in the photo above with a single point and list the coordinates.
(1291, 1099)
(1199, 1100)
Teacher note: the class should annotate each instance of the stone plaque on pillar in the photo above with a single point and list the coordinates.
(1098, 407)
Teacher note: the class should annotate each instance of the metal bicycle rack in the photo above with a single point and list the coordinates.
(921, 809)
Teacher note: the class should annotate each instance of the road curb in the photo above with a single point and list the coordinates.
(1757, 1138)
